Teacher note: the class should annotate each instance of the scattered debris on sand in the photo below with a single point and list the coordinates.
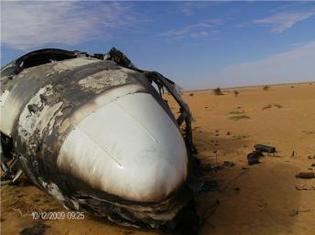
(261, 199)
(254, 157)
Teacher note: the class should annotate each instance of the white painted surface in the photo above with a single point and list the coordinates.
(129, 148)
(3, 97)
(10, 108)
(103, 99)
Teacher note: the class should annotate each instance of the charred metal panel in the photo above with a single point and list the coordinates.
(81, 124)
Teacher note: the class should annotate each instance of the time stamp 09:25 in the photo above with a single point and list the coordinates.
(58, 215)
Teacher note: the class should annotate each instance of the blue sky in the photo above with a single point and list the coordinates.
(196, 44)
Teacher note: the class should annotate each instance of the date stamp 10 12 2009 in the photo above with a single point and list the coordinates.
(58, 215)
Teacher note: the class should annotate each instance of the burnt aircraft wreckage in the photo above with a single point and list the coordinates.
(94, 132)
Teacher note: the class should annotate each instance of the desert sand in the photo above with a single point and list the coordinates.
(257, 199)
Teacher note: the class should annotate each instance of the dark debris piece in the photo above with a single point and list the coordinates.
(253, 157)
(306, 175)
(265, 148)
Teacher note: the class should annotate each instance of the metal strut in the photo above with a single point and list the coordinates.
(11, 171)
(9, 163)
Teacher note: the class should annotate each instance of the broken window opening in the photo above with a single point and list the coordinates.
(44, 56)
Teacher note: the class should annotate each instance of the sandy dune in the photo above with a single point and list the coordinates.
(258, 199)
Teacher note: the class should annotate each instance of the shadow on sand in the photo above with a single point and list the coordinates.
(257, 199)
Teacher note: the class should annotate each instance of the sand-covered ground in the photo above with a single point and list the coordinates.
(258, 199)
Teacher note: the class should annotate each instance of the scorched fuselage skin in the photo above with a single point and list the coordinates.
(97, 136)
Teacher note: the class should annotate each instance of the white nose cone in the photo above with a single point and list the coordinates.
(129, 148)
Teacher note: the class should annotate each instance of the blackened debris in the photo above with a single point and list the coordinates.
(254, 157)
(265, 148)
(120, 58)
(306, 175)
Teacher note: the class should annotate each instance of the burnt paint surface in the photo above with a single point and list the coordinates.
(55, 91)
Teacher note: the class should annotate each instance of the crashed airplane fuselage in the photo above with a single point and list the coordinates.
(95, 133)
